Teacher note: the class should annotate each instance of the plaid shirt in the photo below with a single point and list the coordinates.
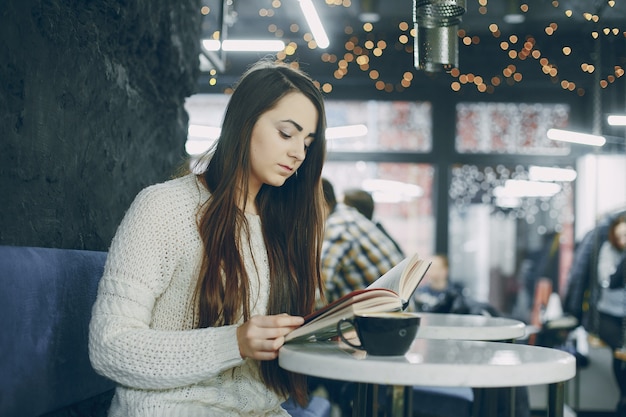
(355, 252)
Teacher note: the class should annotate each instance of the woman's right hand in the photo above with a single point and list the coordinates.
(260, 337)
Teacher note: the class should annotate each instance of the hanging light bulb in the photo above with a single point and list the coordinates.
(436, 42)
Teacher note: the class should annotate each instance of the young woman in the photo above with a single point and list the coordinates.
(208, 272)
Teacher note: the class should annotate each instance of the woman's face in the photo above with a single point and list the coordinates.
(620, 235)
(279, 140)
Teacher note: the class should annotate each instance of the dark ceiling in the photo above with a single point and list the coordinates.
(544, 63)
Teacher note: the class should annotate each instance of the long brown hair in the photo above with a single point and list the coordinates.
(291, 217)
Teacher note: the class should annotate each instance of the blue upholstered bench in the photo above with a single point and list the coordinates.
(45, 306)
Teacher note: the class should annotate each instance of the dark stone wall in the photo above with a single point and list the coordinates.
(91, 111)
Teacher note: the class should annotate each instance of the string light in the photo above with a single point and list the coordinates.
(366, 51)
(528, 50)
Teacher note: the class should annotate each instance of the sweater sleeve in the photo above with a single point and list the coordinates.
(146, 257)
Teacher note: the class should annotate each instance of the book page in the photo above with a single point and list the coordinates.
(390, 292)
(359, 301)
(323, 326)
(340, 303)
(412, 277)
(404, 277)
(391, 279)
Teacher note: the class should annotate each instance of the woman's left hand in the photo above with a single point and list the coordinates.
(260, 337)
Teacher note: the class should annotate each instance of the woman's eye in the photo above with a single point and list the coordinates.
(284, 134)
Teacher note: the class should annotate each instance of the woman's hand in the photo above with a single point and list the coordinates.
(260, 337)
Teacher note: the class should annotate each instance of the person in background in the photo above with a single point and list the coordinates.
(438, 294)
(208, 272)
(354, 252)
(364, 203)
(612, 303)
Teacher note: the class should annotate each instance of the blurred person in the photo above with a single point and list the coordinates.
(208, 272)
(364, 203)
(611, 305)
(354, 251)
(438, 294)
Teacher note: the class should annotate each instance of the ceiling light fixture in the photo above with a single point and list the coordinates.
(211, 44)
(514, 18)
(576, 137)
(523, 188)
(390, 191)
(436, 25)
(539, 173)
(243, 45)
(349, 131)
(616, 120)
(315, 24)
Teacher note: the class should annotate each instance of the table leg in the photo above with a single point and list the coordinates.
(359, 408)
(512, 401)
(373, 392)
(577, 392)
(408, 401)
(485, 402)
(556, 399)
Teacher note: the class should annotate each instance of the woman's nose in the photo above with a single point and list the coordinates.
(297, 150)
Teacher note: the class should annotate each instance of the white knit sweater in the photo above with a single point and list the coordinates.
(141, 333)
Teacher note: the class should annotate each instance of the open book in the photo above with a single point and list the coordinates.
(390, 292)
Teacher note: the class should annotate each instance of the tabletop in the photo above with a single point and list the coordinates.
(434, 362)
(469, 327)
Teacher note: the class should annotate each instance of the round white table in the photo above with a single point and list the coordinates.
(473, 327)
(469, 327)
(432, 362)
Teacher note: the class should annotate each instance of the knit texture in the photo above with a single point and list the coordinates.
(141, 333)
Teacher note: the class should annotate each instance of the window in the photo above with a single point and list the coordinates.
(390, 125)
(508, 225)
(510, 128)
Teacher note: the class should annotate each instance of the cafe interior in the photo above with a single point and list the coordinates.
(460, 118)
(491, 131)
